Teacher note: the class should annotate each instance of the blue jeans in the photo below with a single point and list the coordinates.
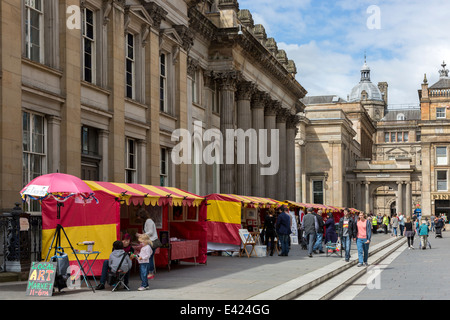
(395, 231)
(152, 267)
(284, 240)
(310, 237)
(346, 244)
(318, 244)
(363, 250)
(144, 269)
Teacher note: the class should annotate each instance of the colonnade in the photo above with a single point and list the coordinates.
(245, 107)
(403, 198)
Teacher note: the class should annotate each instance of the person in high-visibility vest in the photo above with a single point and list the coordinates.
(385, 223)
(374, 223)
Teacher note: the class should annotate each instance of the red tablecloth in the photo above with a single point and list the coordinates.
(184, 249)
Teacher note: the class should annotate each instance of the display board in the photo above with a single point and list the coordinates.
(41, 279)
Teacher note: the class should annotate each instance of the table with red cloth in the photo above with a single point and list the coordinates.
(179, 250)
(184, 249)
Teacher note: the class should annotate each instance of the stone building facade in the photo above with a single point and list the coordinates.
(97, 88)
(408, 166)
(435, 143)
(359, 152)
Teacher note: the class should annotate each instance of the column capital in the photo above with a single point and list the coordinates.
(259, 99)
(245, 90)
(271, 108)
(283, 115)
(227, 80)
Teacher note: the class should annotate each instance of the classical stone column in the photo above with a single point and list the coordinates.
(291, 131)
(103, 137)
(399, 200)
(54, 133)
(258, 103)
(282, 116)
(408, 200)
(358, 195)
(244, 122)
(227, 82)
(367, 208)
(270, 114)
(142, 163)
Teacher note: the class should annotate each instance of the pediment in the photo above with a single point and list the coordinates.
(141, 13)
(172, 34)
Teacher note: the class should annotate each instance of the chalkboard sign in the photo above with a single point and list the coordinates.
(41, 279)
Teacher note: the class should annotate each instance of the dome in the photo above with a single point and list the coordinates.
(372, 91)
(365, 86)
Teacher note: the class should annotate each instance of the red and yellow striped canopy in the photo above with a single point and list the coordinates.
(254, 202)
(137, 194)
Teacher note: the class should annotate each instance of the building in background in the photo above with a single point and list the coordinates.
(359, 152)
(435, 144)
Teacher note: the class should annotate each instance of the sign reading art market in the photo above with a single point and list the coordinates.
(41, 279)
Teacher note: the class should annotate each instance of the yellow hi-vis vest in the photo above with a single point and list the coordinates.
(374, 221)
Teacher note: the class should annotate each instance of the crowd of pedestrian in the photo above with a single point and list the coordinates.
(315, 230)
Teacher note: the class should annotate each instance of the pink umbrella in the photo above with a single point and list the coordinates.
(60, 186)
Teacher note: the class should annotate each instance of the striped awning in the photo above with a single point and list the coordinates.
(246, 201)
(255, 202)
(323, 207)
(139, 194)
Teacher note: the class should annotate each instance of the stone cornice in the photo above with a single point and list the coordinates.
(201, 25)
(253, 49)
(156, 13)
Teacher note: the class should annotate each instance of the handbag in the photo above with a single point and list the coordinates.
(156, 244)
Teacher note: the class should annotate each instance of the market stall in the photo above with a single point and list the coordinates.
(228, 213)
(178, 216)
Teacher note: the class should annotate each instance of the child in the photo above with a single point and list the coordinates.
(144, 260)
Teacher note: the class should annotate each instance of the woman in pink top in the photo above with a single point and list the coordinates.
(363, 236)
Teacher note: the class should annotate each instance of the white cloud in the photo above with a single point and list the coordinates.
(327, 40)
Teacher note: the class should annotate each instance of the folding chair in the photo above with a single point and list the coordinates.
(118, 278)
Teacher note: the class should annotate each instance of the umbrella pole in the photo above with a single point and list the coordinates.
(57, 236)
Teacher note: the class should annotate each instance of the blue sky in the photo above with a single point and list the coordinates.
(403, 40)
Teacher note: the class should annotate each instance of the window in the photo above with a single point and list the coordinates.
(317, 191)
(401, 116)
(130, 66)
(131, 161)
(34, 152)
(163, 83)
(440, 113)
(89, 141)
(441, 156)
(392, 136)
(418, 136)
(164, 167)
(441, 180)
(88, 45)
(386, 137)
(33, 146)
(405, 136)
(34, 27)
